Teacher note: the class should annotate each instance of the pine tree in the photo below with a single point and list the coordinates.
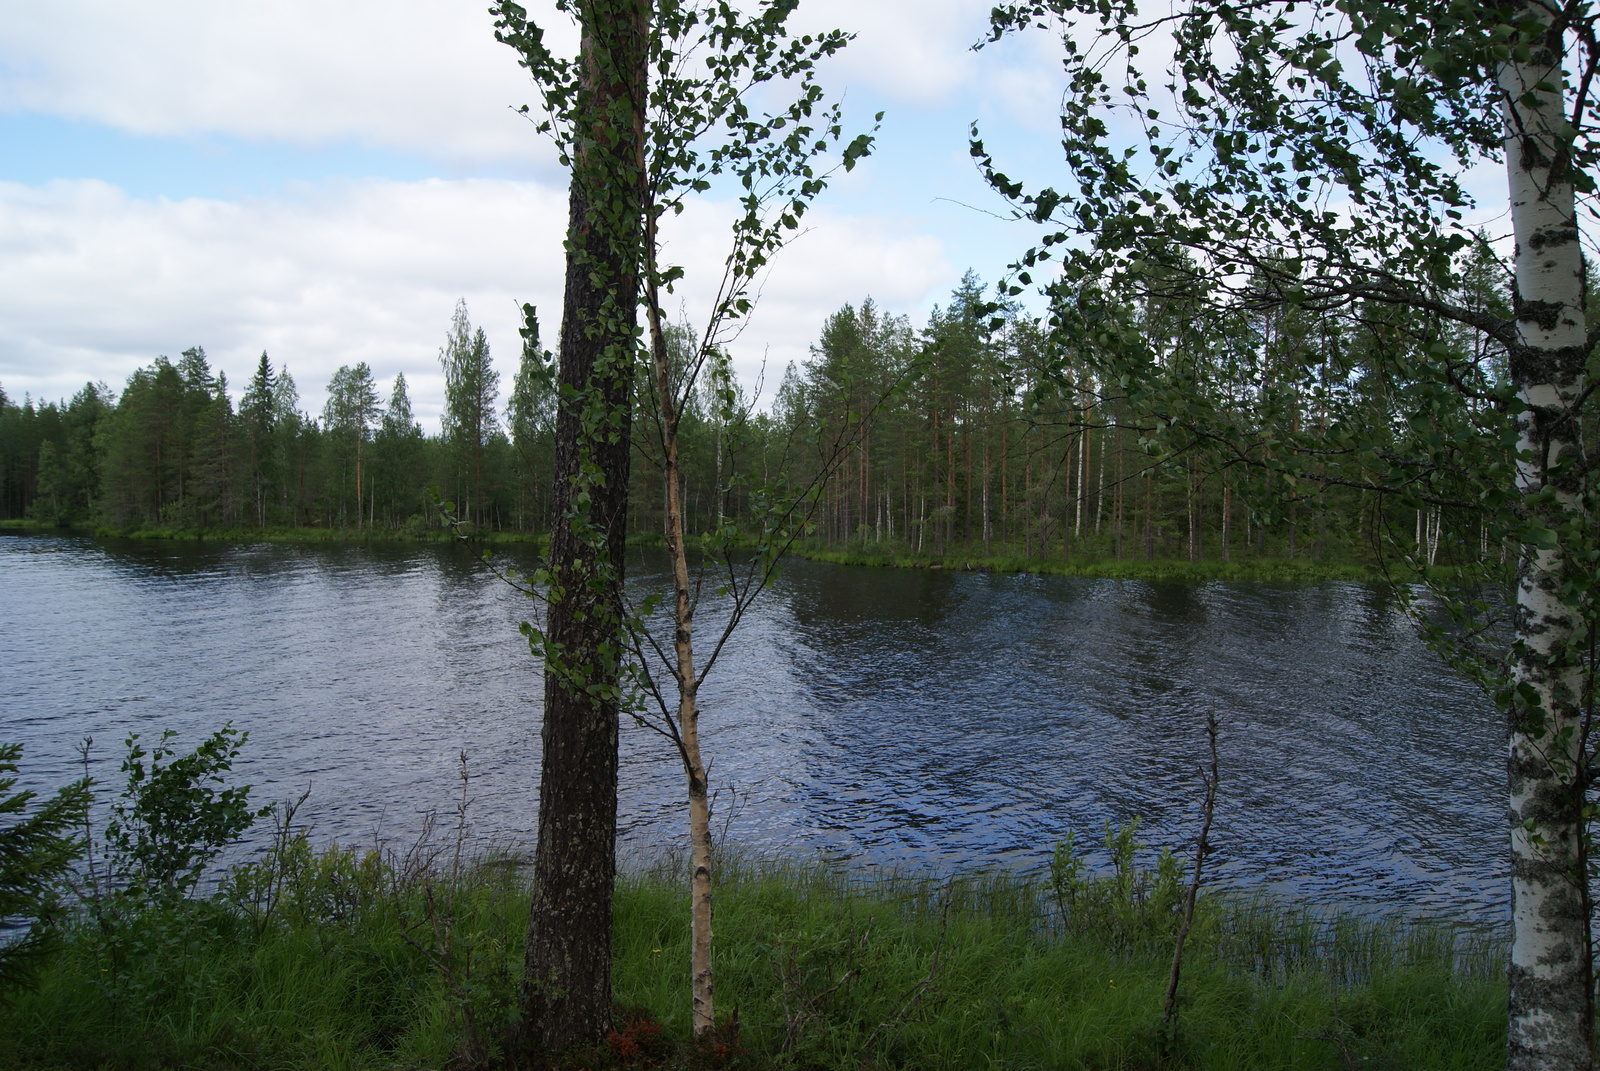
(144, 444)
(212, 460)
(350, 412)
(471, 385)
(530, 416)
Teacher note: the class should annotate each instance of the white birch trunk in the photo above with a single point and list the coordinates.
(1100, 491)
(1550, 977)
(1227, 519)
(703, 1011)
(1083, 472)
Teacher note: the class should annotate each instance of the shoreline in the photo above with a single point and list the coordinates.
(261, 535)
(1089, 566)
(1066, 968)
(1161, 570)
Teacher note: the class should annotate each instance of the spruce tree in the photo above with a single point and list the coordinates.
(37, 851)
(257, 413)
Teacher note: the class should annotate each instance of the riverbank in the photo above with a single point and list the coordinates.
(1163, 570)
(409, 534)
(356, 961)
(1168, 570)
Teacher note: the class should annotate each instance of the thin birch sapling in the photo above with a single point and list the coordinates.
(628, 116)
(774, 157)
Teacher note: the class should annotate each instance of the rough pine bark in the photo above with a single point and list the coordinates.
(566, 990)
(1551, 1003)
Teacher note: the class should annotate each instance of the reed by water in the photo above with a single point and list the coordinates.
(360, 959)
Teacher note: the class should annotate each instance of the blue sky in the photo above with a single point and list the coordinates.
(324, 182)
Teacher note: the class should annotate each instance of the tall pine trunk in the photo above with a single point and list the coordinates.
(566, 990)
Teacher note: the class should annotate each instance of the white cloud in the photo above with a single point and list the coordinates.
(94, 283)
(419, 76)
(837, 259)
(917, 55)
(911, 50)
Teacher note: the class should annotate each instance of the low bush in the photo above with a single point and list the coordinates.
(334, 958)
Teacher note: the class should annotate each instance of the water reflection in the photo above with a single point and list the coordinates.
(890, 716)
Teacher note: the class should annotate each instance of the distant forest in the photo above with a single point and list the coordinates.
(973, 434)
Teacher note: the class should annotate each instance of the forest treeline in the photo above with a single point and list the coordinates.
(974, 434)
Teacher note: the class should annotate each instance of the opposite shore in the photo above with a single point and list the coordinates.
(1088, 565)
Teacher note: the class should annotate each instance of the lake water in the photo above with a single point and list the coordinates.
(889, 717)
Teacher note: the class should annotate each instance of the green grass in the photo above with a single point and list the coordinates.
(825, 968)
(27, 524)
(1170, 570)
(410, 534)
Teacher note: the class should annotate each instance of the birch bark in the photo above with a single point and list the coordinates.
(1550, 980)
(688, 713)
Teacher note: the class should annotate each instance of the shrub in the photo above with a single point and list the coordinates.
(174, 817)
(37, 851)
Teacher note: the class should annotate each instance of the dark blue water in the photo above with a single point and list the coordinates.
(891, 717)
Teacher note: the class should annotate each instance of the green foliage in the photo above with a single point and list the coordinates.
(173, 818)
(1311, 356)
(144, 929)
(1319, 362)
(1131, 902)
(961, 438)
(470, 421)
(1297, 182)
(38, 847)
(294, 886)
(828, 969)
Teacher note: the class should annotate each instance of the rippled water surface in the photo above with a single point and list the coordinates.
(895, 717)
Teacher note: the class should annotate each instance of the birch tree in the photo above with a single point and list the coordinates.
(530, 416)
(707, 62)
(692, 122)
(1309, 156)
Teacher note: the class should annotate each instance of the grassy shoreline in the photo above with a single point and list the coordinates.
(313, 536)
(364, 961)
(1163, 570)
(1267, 570)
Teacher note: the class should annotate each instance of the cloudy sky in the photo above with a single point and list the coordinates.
(324, 180)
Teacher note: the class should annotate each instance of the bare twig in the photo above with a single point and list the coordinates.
(440, 944)
(1202, 848)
